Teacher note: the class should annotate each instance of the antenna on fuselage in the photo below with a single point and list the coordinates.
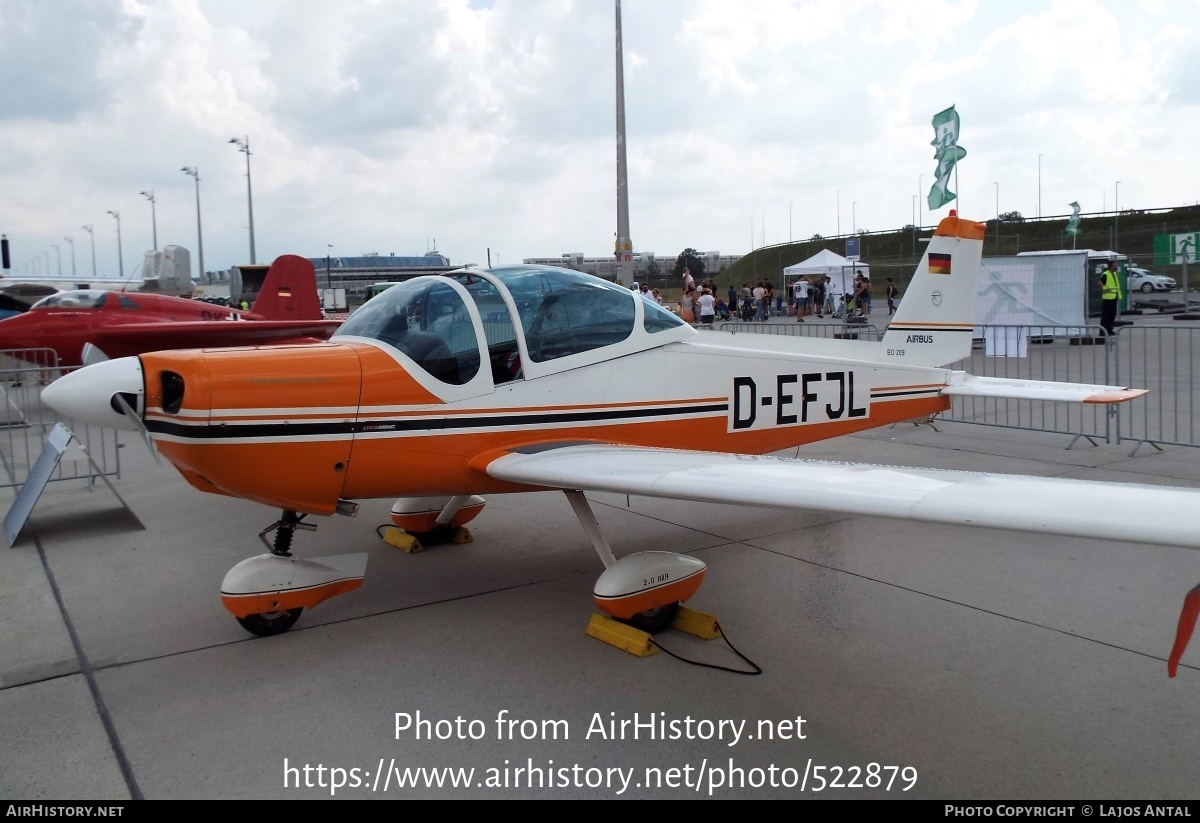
(125, 287)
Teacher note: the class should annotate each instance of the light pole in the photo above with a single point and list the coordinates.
(71, 240)
(328, 253)
(997, 184)
(1116, 215)
(120, 255)
(243, 145)
(149, 195)
(854, 217)
(194, 173)
(92, 234)
(914, 211)
(1039, 187)
(58, 254)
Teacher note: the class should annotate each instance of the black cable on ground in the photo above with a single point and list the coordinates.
(755, 666)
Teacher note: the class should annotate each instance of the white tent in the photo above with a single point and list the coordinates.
(825, 262)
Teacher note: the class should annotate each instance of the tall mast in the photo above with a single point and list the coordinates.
(624, 246)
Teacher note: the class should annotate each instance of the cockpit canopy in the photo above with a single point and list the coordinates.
(85, 299)
(77, 299)
(555, 313)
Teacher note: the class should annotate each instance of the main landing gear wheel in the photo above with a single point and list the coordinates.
(270, 623)
(654, 620)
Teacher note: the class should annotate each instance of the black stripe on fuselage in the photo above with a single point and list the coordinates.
(440, 424)
(914, 327)
(875, 395)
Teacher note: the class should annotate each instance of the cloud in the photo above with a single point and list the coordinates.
(52, 58)
(381, 126)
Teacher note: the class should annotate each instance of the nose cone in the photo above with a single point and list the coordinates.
(86, 395)
(16, 332)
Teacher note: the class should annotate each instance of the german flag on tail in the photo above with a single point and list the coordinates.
(939, 263)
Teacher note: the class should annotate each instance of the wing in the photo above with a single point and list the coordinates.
(136, 338)
(1167, 516)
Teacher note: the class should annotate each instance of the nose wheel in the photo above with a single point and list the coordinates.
(268, 593)
(654, 621)
(271, 623)
(267, 624)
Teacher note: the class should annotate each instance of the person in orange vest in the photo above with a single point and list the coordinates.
(1110, 296)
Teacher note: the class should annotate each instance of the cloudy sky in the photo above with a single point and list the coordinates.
(394, 125)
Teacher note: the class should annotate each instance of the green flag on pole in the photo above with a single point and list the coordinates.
(947, 153)
(1073, 221)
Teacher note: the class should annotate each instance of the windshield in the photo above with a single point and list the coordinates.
(659, 318)
(425, 319)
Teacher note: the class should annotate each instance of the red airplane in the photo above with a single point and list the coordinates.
(89, 325)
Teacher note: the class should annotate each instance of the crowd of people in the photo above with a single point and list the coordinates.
(700, 303)
(650, 294)
(807, 296)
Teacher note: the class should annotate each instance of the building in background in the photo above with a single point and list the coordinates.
(606, 267)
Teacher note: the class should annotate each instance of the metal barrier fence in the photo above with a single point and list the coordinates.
(838, 331)
(25, 422)
(1072, 354)
(1161, 358)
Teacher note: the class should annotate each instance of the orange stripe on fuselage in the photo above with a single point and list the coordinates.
(438, 463)
(508, 410)
(311, 474)
(303, 476)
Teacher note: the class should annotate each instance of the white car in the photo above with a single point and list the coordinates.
(1144, 280)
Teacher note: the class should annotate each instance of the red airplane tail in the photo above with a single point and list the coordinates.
(289, 291)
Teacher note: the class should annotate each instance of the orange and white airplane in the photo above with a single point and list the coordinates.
(527, 378)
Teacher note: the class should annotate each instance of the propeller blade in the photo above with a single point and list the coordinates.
(92, 354)
(137, 421)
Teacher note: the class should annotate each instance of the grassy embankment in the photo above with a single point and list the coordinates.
(895, 254)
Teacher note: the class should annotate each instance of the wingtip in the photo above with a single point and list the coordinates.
(1116, 396)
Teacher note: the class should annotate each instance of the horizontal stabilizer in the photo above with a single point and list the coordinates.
(966, 385)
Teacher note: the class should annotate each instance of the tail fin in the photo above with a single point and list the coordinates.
(934, 323)
(289, 291)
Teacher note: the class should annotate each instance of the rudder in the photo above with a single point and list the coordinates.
(934, 322)
(289, 291)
